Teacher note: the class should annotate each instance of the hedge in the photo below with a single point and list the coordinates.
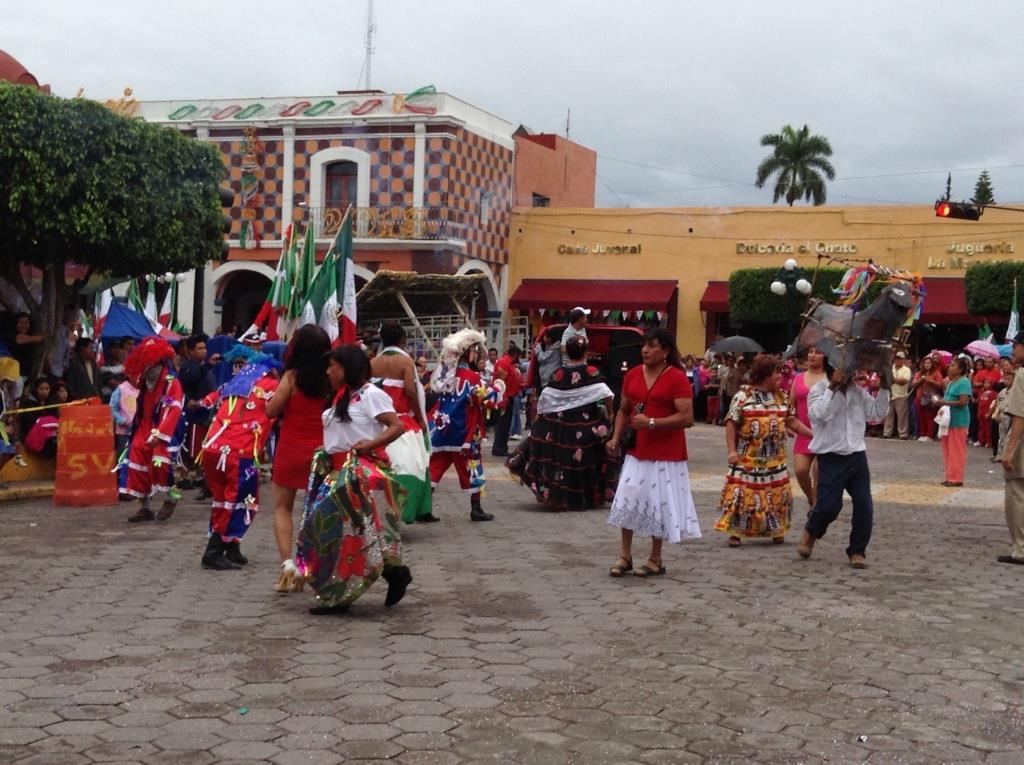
(989, 286)
(751, 300)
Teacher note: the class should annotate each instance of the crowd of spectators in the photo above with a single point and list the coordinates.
(918, 388)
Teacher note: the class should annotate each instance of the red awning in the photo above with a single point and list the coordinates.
(715, 298)
(946, 303)
(599, 294)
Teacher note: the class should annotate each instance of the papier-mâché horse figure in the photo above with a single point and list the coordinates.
(858, 340)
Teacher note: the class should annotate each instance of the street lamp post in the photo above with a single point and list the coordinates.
(790, 280)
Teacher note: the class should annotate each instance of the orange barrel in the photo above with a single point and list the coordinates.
(85, 457)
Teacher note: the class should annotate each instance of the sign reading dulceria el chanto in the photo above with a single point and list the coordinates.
(600, 249)
(792, 248)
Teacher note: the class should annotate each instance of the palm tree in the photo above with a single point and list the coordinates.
(800, 160)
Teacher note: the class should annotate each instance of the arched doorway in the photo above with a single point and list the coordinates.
(240, 296)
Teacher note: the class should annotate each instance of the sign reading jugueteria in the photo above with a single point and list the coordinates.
(600, 249)
(961, 253)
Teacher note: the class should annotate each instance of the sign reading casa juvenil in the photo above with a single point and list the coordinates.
(600, 249)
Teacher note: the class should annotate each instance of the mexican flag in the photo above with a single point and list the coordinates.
(103, 301)
(150, 308)
(276, 304)
(305, 269)
(346, 294)
(322, 305)
(169, 310)
(332, 296)
(135, 301)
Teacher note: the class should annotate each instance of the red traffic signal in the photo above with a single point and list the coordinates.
(959, 210)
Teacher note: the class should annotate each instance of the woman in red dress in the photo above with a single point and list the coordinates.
(653, 496)
(300, 400)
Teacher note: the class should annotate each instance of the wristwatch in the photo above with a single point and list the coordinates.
(650, 423)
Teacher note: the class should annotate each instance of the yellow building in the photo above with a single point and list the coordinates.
(676, 262)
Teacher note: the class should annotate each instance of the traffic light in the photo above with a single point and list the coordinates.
(959, 210)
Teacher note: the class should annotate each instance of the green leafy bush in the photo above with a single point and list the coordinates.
(751, 300)
(989, 286)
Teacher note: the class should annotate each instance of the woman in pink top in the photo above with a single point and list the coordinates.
(804, 463)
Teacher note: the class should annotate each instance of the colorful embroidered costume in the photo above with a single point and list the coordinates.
(231, 452)
(158, 429)
(457, 429)
(456, 422)
(350, 528)
(757, 500)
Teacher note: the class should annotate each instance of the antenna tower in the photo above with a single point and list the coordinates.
(370, 30)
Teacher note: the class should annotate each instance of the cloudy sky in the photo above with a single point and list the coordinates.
(672, 95)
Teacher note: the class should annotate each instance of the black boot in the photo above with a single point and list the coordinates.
(214, 558)
(476, 513)
(143, 515)
(233, 552)
(398, 579)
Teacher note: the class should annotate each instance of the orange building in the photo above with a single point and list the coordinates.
(552, 171)
(431, 181)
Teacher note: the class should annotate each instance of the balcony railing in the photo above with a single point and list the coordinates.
(391, 222)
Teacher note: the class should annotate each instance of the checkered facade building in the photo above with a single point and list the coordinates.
(467, 178)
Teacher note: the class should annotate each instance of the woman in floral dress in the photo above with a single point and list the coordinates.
(350, 528)
(564, 461)
(757, 500)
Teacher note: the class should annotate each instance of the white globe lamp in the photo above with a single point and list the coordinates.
(789, 265)
(803, 286)
(778, 288)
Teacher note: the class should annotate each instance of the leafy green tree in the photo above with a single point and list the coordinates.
(988, 286)
(800, 163)
(82, 185)
(983, 194)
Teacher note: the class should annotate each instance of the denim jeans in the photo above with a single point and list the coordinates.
(838, 473)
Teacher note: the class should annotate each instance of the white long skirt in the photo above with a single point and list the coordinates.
(654, 498)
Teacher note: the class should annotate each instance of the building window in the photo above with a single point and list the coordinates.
(485, 207)
(341, 185)
(539, 200)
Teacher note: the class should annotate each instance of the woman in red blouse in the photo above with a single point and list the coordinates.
(653, 496)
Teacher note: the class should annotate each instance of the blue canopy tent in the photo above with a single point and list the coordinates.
(123, 321)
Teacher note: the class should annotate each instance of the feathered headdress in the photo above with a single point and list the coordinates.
(453, 348)
(150, 352)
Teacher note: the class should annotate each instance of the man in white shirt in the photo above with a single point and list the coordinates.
(839, 411)
(898, 417)
(577, 326)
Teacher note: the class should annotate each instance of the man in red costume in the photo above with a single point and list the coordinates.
(158, 428)
(231, 457)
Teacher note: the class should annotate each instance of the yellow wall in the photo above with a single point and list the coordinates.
(698, 245)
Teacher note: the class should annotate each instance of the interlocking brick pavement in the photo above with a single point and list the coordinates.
(514, 646)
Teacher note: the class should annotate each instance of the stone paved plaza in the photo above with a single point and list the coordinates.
(514, 646)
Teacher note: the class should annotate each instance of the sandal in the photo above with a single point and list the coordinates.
(735, 541)
(778, 540)
(622, 565)
(646, 570)
(289, 580)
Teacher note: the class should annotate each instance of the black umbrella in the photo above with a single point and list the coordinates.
(736, 344)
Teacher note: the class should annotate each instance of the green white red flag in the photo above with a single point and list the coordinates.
(274, 307)
(346, 284)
